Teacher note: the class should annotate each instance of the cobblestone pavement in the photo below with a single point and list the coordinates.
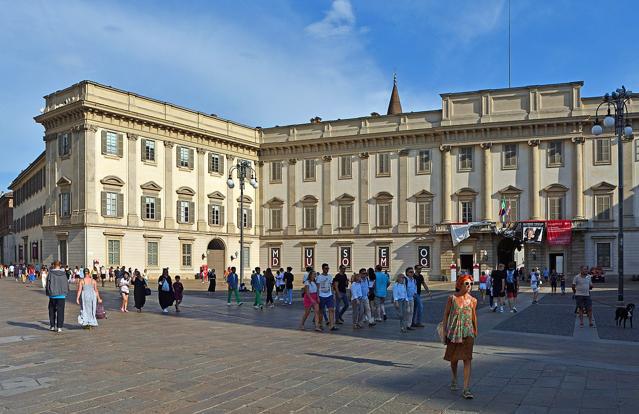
(212, 358)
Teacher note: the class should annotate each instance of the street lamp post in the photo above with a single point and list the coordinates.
(242, 168)
(617, 101)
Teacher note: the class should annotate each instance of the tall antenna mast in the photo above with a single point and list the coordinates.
(509, 43)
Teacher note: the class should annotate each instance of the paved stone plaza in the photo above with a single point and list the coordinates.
(217, 359)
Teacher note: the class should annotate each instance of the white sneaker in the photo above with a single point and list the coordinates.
(52, 329)
(165, 311)
(256, 307)
(59, 330)
(228, 304)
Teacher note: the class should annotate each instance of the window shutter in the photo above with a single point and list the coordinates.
(191, 212)
(59, 206)
(143, 207)
(210, 162)
(239, 218)
(120, 145)
(177, 156)
(178, 212)
(221, 215)
(104, 203)
(221, 163)
(191, 162)
(143, 149)
(249, 214)
(59, 145)
(158, 208)
(104, 146)
(210, 214)
(120, 205)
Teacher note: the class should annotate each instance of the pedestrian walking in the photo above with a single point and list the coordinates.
(139, 291)
(178, 292)
(340, 285)
(553, 282)
(356, 298)
(371, 293)
(212, 281)
(512, 286)
(125, 282)
(581, 287)
(499, 288)
(365, 301)
(257, 284)
(311, 301)
(165, 290)
(57, 290)
(326, 302)
(489, 289)
(562, 283)
(88, 298)
(418, 307)
(270, 285)
(288, 284)
(482, 285)
(401, 301)
(381, 289)
(535, 281)
(460, 322)
(43, 276)
(232, 283)
(411, 293)
(103, 274)
(279, 285)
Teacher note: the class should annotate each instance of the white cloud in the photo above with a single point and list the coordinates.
(339, 20)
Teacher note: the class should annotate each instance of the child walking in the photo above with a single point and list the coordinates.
(178, 290)
(124, 292)
(356, 300)
(400, 300)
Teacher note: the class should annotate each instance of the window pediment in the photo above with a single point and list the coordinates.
(62, 181)
(603, 187)
(187, 191)
(309, 199)
(246, 199)
(150, 186)
(112, 180)
(383, 196)
(216, 195)
(345, 198)
(275, 202)
(556, 188)
(510, 190)
(466, 192)
(423, 195)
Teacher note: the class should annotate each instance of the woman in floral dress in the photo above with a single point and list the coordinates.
(460, 322)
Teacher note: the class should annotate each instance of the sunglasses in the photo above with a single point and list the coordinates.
(468, 283)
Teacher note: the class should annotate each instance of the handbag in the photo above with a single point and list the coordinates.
(100, 313)
(442, 335)
(147, 291)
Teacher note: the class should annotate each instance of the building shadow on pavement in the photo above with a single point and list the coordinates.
(363, 360)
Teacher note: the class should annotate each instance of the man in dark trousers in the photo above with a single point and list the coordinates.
(288, 281)
(57, 290)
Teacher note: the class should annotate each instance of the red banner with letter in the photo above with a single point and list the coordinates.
(559, 232)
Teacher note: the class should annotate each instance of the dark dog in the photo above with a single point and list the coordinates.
(624, 314)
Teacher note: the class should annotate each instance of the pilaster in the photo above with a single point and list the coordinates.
(487, 181)
(363, 227)
(132, 194)
(578, 177)
(446, 184)
(259, 195)
(326, 195)
(201, 191)
(169, 201)
(230, 201)
(628, 186)
(403, 191)
(535, 180)
(291, 228)
(88, 203)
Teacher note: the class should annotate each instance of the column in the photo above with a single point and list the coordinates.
(132, 194)
(402, 194)
(231, 213)
(363, 193)
(169, 202)
(535, 181)
(290, 197)
(326, 195)
(259, 226)
(201, 190)
(447, 184)
(578, 187)
(487, 182)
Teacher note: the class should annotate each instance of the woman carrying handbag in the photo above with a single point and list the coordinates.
(140, 291)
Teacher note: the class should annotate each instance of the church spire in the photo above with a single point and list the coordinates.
(394, 106)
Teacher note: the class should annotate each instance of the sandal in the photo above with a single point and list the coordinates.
(468, 394)
(453, 385)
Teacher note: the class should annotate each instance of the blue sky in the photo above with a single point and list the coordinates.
(266, 63)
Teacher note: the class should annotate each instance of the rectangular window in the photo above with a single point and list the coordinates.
(309, 217)
(149, 150)
(152, 254)
(346, 216)
(183, 157)
(215, 215)
(184, 213)
(466, 211)
(510, 157)
(465, 158)
(111, 143)
(111, 205)
(423, 162)
(602, 151)
(113, 252)
(187, 249)
(276, 172)
(424, 213)
(555, 154)
(309, 170)
(65, 204)
(383, 164)
(603, 255)
(62, 252)
(245, 217)
(512, 209)
(149, 208)
(216, 163)
(64, 144)
(276, 219)
(246, 257)
(383, 215)
(555, 208)
(345, 167)
(602, 206)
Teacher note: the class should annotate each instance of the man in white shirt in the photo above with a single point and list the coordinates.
(325, 283)
(11, 270)
(581, 287)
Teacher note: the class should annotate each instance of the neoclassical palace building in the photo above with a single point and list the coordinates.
(128, 180)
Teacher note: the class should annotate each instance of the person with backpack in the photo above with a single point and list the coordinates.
(512, 286)
(535, 282)
(57, 290)
(165, 290)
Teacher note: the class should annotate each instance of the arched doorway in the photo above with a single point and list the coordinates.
(215, 255)
(506, 251)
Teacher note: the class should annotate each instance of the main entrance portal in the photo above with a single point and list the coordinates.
(506, 251)
(215, 256)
